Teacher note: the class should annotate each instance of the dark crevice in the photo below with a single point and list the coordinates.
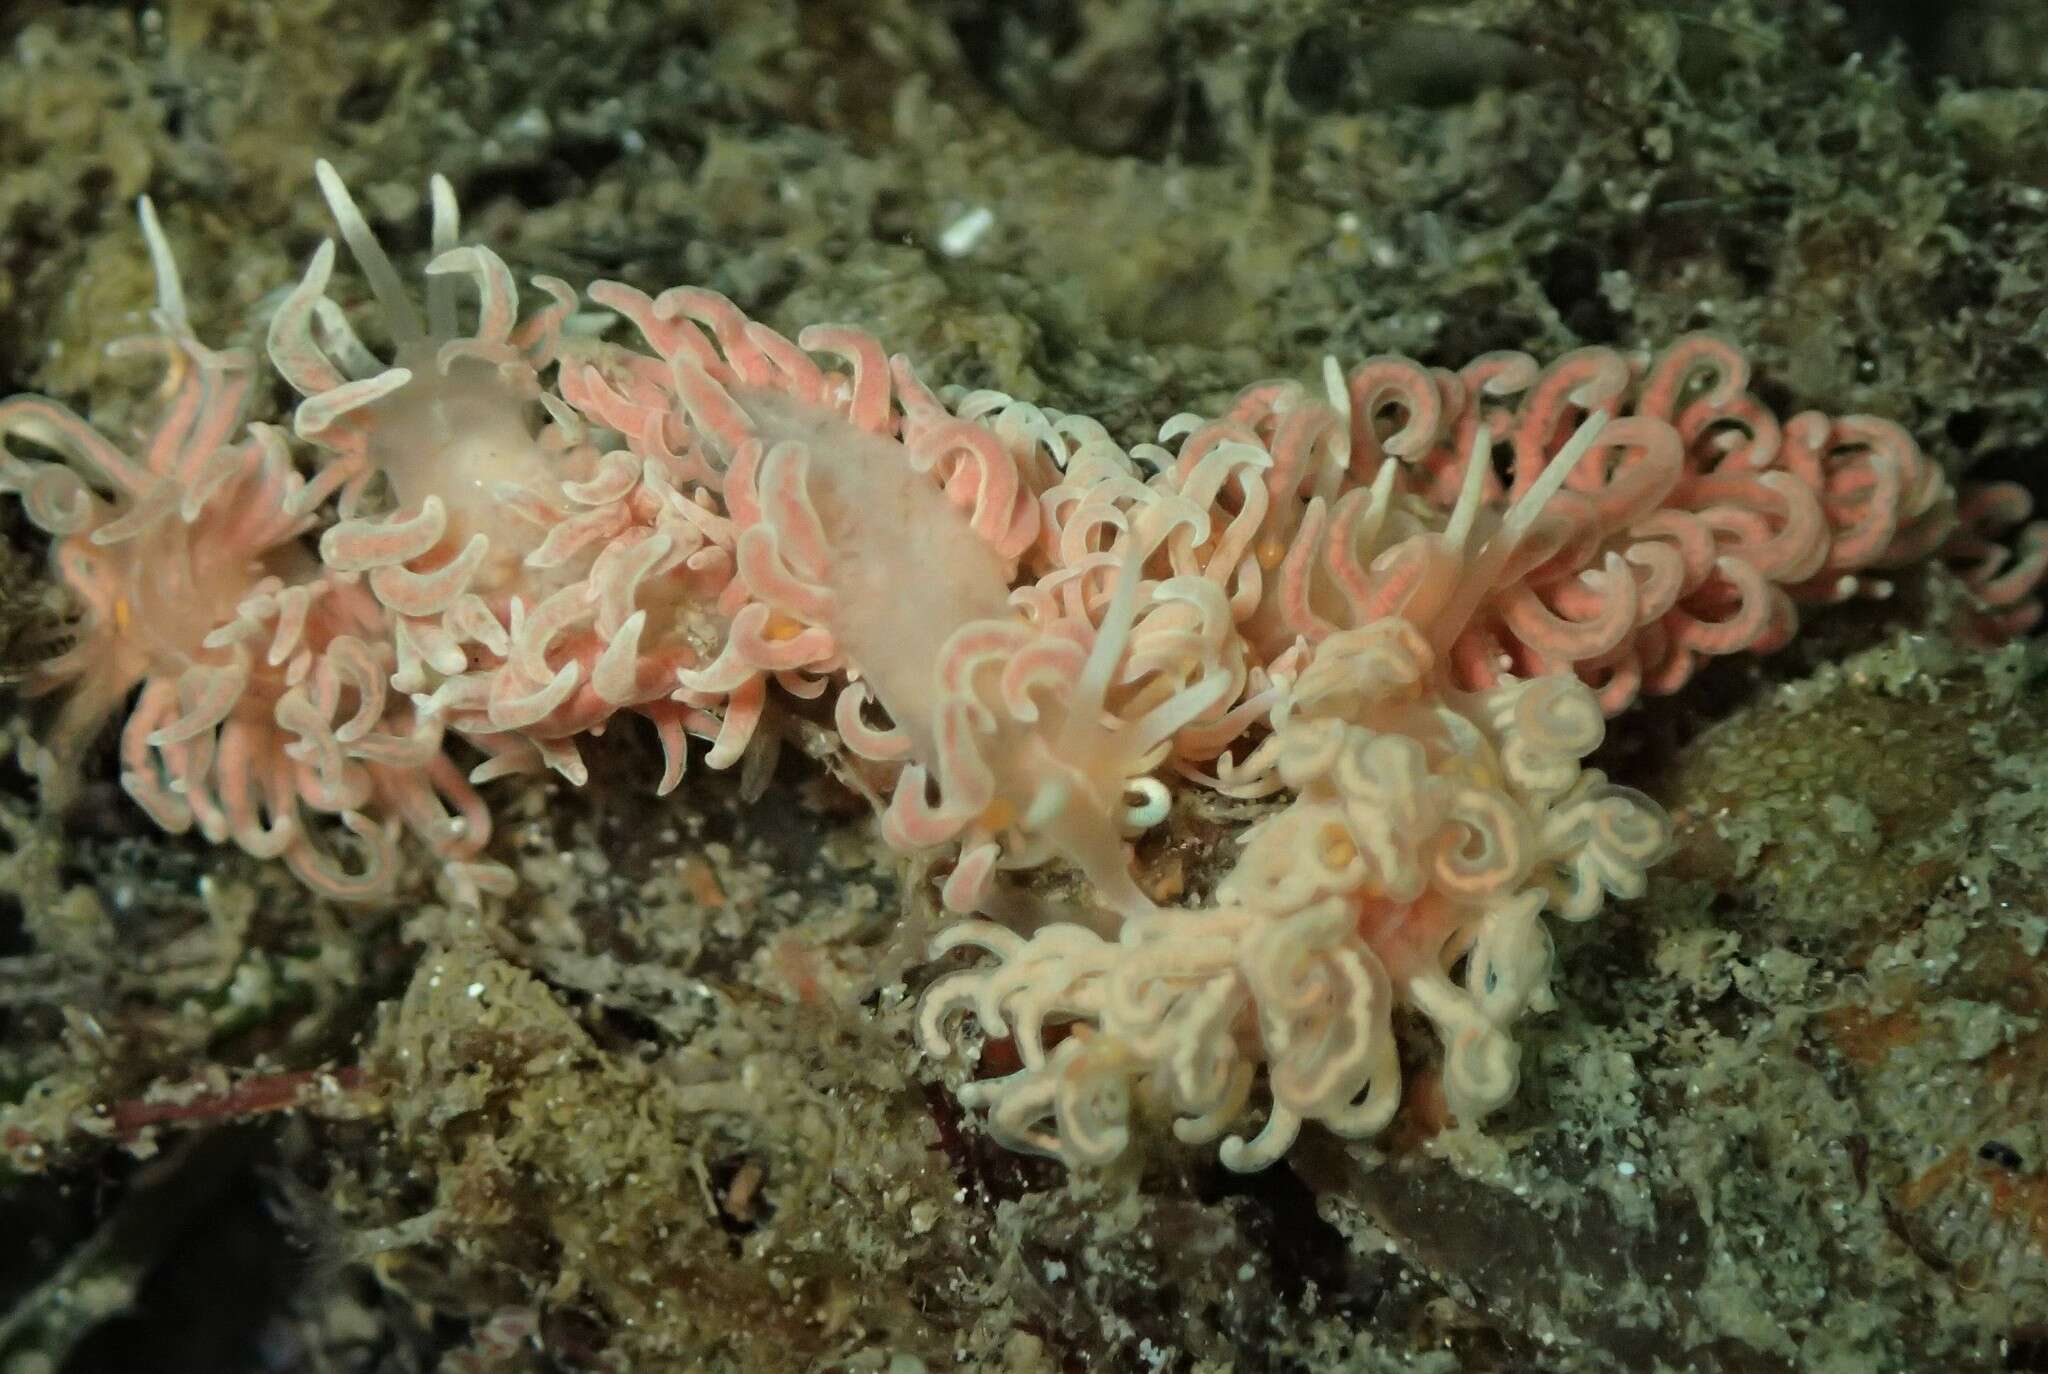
(1318, 69)
(1569, 276)
(1304, 1249)
(2027, 466)
(14, 941)
(559, 172)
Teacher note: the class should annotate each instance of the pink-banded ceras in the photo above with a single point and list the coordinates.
(263, 701)
(538, 580)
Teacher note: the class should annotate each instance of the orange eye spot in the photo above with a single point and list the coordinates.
(1271, 553)
(782, 627)
(124, 616)
(1000, 815)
